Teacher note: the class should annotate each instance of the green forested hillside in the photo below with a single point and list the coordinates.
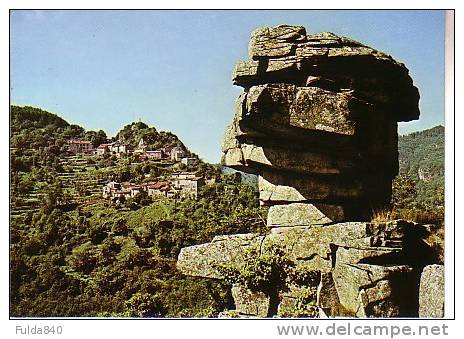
(82, 256)
(33, 127)
(99, 261)
(38, 138)
(421, 157)
(27, 117)
(419, 189)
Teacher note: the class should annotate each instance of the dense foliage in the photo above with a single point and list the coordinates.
(101, 261)
(418, 191)
(105, 260)
(422, 159)
(269, 270)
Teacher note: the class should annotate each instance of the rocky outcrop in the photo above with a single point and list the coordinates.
(317, 122)
(364, 269)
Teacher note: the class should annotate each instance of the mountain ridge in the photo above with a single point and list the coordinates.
(39, 125)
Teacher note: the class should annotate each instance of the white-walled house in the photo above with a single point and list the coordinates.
(177, 153)
(189, 161)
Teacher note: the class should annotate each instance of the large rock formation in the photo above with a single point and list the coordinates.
(317, 122)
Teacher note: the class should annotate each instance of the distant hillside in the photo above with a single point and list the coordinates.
(421, 157)
(31, 117)
(33, 127)
(39, 139)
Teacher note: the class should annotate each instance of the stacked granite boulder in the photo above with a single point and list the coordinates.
(317, 122)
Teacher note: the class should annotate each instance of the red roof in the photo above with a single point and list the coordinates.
(103, 146)
(158, 185)
(79, 142)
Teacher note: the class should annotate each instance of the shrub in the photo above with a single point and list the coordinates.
(270, 270)
(143, 305)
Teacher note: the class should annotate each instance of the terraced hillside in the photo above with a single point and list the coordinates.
(42, 171)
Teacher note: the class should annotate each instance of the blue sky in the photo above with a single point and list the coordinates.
(171, 69)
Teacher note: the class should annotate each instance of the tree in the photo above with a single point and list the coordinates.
(404, 192)
(96, 138)
(55, 195)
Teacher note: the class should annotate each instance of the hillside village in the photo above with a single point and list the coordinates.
(178, 184)
(139, 165)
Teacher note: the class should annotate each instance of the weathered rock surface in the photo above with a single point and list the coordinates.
(317, 122)
(432, 292)
(248, 302)
(285, 54)
(310, 108)
(275, 41)
(205, 260)
(296, 214)
(280, 158)
(351, 242)
(298, 301)
(375, 291)
(327, 298)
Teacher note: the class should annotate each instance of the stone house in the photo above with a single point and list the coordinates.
(114, 148)
(102, 149)
(157, 154)
(116, 190)
(183, 175)
(158, 189)
(182, 184)
(118, 195)
(187, 186)
(119, 148)
(79, 146)
(110, 188)
(135, 189)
